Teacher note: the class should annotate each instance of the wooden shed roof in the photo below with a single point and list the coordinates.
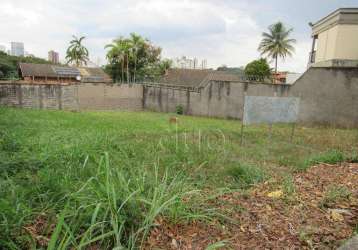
(49, 70)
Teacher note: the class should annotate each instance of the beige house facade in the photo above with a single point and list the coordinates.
(335, 39)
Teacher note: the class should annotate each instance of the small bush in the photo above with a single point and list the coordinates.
(179, 109)
(246, 175)
(335, 194)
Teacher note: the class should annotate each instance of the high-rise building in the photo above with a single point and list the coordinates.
(17, 49)
(187, 63)
(53, 56)
(203, 64)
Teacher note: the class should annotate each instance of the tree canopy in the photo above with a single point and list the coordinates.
(258, 68)
(276, 42)
(232, 70)
(134, 59)
(9, 64)
(76, 53)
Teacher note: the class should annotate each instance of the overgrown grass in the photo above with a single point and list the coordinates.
(335, 194)
(246, 175)
(104, 178)
(329, 157)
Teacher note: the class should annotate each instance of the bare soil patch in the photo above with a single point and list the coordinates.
(319, 210)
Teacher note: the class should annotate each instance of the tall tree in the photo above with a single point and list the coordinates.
(137, 43)
(276, 42)
(77, 53)
(116, 54)
(127, 48)
(141, 59)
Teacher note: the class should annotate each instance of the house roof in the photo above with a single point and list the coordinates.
(196, 77)
(339, 16)
(93, 75)
(49, 70)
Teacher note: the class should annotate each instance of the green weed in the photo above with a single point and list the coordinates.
(334, 195)
(246, 175)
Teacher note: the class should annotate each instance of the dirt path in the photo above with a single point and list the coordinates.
(315, 209)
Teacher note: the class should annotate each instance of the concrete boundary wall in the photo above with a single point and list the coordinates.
(87, 96)
(328, 96)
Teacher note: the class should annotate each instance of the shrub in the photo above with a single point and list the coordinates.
(258, 68)
(179, 109)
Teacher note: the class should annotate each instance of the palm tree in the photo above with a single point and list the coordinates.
(164, 65)
(276, 43)
(116, 54)
(137, 42)
(76, 52)
(126, 47)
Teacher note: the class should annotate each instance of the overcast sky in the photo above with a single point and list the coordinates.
(221, 31)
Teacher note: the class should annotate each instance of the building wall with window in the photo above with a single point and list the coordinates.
(335, 37)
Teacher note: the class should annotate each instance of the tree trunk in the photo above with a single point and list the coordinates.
(122, 70)
(127, 69)
(276, 64)
(135, 69)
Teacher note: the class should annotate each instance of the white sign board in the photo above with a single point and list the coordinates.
(269, 110)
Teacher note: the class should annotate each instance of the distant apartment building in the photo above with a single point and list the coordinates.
(188, 63)
(335, 38)
(53, 56)
(17, 49)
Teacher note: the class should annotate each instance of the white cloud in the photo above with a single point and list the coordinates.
(223, 32)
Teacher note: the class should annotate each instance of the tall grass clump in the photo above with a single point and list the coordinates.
(116, 208)
(246, 175)
(329, 157)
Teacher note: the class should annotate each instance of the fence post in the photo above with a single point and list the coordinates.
(19, 94)
(59, 96)
(39, 91)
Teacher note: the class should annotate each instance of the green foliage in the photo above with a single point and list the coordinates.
(179, 109)
(76, 53)
(246, 175)
(258, 68)
(288, 187)
(134, 59)
(334, 195)
(330, 157)
(276, 43)
(232, 70)
(9, 64)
